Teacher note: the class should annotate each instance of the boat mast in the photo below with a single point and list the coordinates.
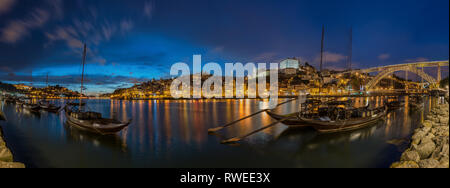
(321, 57)
(31, 78)
(82, 74)
(321, 48)
(31, 84)
(350, 50)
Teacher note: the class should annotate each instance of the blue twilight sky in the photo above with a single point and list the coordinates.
(134, 41)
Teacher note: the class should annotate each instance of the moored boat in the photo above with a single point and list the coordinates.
(332, 116)
(292, 120)
(47, 106)
(10, 100)
(416, 102)
(93, 122)
(19, 102)
(363, 119)
(31, 107)
(393, 105)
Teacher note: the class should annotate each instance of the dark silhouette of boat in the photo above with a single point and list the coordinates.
(393, 105)
(31, 107)
(328, 126)
(19, 102)
(10, 100)
(334, 116)
(47, 106)
(416, 102)
(91, 121)
(114, 142)
(292, 120)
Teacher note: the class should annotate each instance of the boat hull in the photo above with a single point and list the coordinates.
(50, 108)
(329, 126)
(292, 121)
(32, 108)
(342, 125)
(96, 127)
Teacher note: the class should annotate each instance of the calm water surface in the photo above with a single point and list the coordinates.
(169, 133)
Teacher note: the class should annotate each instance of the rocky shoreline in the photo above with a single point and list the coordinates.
(430, 143)
(6, 157)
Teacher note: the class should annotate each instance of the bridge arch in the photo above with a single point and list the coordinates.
(372, 83)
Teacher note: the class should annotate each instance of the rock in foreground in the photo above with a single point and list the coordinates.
(430, 142)
(11, 165)
(6, 157)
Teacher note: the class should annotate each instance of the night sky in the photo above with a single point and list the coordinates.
(134, 41)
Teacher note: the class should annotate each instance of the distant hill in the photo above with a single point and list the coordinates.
(8, 87)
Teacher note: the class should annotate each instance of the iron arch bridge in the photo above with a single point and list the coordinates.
(372, 83)
(416, 68)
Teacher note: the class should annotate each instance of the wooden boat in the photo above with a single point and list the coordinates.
(292, 120)
(93, 122)
(367, 118)
(20, 102)
(356, 120)
(47, 106)
(10, 100)
(395, 105)
(416, 102)
(31, 107)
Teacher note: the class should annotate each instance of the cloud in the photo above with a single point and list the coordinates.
(218, 49)
(17, 29)
(95, 32)
(383, 57)
(67, 34)
(56, 6)
(419, 59)
(125, 26)
(5, 69)
(91, 30)
(266, 57)
(6, 5)
(330, 57)
(148, 9)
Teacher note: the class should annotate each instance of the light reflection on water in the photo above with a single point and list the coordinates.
(173, 133)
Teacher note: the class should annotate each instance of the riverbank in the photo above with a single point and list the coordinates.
(430, 143)
(6, 157)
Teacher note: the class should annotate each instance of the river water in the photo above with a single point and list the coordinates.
(173, 133)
